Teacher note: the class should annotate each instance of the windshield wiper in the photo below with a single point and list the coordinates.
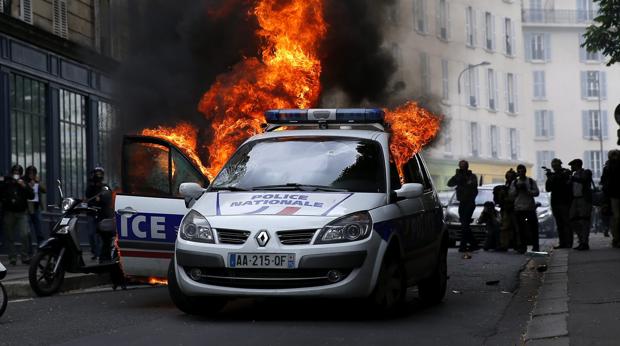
(228, 188)
(299, 187)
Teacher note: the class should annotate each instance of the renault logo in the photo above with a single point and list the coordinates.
(262, 238)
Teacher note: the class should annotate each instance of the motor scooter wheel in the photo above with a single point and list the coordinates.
(41, 275)
(3, 299)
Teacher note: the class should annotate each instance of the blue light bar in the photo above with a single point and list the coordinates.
(334, 116)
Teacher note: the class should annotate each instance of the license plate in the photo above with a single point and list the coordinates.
(65, 221)
(261, 260)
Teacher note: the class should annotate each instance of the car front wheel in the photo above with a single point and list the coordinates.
(433, 289)
(203, 306)
(390, 292)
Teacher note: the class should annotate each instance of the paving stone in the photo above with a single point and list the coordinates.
(547, 326)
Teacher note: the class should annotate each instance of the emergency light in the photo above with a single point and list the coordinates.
(339, 116)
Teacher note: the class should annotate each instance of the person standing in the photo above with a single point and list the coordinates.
(466, 184)
(502, 198)
(558, 184)
(35, 206)
(523, 190)
(15, 193)
(580, 212)
(100, 193)
(610, 180)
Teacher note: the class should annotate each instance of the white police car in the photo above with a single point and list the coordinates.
(316, 210)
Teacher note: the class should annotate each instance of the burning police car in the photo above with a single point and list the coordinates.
(315, 210)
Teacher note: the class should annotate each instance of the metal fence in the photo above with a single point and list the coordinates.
(557, 16)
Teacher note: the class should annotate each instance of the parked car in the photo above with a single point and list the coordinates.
(546, 221)
(485, 194)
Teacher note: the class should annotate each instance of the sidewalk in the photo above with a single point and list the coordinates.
(579, 300)
(17, 285)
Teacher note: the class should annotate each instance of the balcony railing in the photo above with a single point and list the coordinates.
(557, 16)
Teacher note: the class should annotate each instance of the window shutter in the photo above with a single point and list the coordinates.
(448, 21)
(587, 161)
(505, 36)
(584, 85)
(515, 88)
(603, 85)
(477, 86)
(582, 50)
(474, 26)
(547, 47)
(505, 76)
(528, 46)
(467, 25)
(26, 11)
(468, 139)
(495, 91)
(551, 124)
(539, 161)
(466, 87)
(537, 123)
(518, 144)
(513, 39)
(60, 19)
(493, 32)
(604, 125)
(585, 124)
(543, 85)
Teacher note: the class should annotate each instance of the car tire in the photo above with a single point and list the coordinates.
(391, 288)
(432, 290)
(201, 306)
(451, 242)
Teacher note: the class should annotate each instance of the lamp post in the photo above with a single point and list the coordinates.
(484, 63)
(600, 120)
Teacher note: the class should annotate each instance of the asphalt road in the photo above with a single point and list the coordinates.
(473, 313)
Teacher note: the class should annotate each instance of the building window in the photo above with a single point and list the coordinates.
(538, 47)
(445, 80)
(470, 26)
(494, 141)
(592, 160)
(592, 82)
(513, 136)
(543, 158)
(489, 32)
(106, 119)
(511, 93)
(540, 90)
(419, 16)
(73, 142)
(425, 73)
(586, 10)
(492, 89)
(594, 125)
(509, 38)
(472, 87)
(544, 124)
(60, 21)
(474, 136)
(443, 20)
(25, 11)
(447, 140)
(28, 135)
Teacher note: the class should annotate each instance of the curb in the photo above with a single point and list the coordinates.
(21, 288)
(549, 322)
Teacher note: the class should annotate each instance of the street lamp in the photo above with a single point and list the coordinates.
(484, 63)
(600, 119)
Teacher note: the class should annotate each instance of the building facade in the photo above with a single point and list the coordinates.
(466, 58)
(56, 58)
(573, 93)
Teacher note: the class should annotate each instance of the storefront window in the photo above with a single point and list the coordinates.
(73, 142)
(28, 137)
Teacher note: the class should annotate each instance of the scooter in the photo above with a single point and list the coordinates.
(3, 297)
(62, 251)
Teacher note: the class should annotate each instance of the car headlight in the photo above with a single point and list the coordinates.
(67, 203)
(195, 227)
(352, 227)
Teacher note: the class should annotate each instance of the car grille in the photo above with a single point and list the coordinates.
(266, 278)
(232, 236)
(296, 237)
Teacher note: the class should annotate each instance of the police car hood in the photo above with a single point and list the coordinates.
(293, 206)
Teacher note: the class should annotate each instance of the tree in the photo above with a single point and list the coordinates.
(604, 34)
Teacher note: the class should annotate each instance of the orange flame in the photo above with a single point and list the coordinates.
(287, 76)
(157, 281)
(412, 127)
(184, 137)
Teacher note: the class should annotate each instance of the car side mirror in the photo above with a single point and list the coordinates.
(410, 190)
(190, 192)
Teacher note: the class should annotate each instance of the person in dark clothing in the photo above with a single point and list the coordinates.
(466, 185)
(580, 212)
(558, 184)
(35, 206)
(15, 193)
(523, 190)
(490, 217)
(502, 198)
(610, 180)
(101, 197)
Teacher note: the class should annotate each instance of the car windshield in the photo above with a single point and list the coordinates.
(305, 163)
(484, 195)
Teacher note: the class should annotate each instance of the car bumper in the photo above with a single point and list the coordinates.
(356, 265)
(455, 231)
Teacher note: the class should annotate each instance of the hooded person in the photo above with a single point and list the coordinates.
(466, 185)
(100, 196)
(14, 194)
(580, 212)
(523, 189)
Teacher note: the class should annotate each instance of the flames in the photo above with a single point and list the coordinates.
(157, 281)
(286, 75)
(412, 127)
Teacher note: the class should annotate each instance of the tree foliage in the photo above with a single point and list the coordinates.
(604, 34)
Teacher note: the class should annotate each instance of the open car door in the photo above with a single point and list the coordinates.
(149, 209)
